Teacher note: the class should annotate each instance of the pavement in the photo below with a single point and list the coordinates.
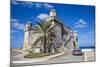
(59, 58)
(29, 60)
(16, 55)
(89, 56)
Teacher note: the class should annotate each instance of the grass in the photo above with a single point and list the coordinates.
(37, 55)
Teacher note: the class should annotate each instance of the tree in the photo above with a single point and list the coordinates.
(44, 28)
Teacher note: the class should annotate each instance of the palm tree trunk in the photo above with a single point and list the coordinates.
(74, 44)
(44, 44)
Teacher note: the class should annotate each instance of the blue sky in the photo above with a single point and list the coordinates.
(80, 18)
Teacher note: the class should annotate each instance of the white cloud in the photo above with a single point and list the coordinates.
(42, 16)
(81, 24)
(13, 31)
(14, 2)
(16, 24)
(81, 21)
(14, 20)
(48, 5)
(76, 31)
(30, 4)
(27, 3)
(24, 3)
(38, 5)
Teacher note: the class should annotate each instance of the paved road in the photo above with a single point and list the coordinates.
(66, 58)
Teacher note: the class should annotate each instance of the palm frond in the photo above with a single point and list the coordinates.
(41, 26)
(51, 28)
(37, 40)
(67, 41)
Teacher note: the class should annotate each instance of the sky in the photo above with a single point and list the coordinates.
(80, 18)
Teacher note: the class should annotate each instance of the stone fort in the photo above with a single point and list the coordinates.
(65, 34)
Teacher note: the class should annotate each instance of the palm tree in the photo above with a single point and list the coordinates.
(44, 28)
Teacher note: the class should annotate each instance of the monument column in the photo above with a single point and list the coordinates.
(26, 36)
(76, 40)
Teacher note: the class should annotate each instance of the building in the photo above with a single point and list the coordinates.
(65, 35)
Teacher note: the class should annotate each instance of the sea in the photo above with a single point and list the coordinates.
(89, 48)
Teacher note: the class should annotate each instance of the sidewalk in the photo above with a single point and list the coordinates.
(89, 56)
(29, 60)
